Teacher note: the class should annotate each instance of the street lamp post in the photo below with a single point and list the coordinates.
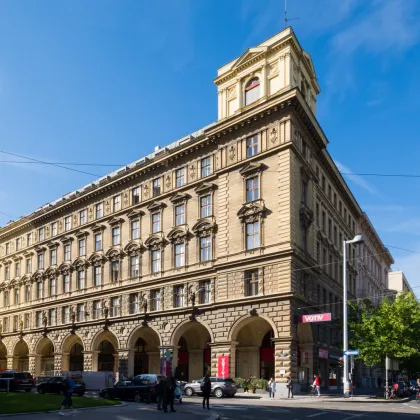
(358, 239)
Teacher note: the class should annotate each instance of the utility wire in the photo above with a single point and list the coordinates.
(59, 163)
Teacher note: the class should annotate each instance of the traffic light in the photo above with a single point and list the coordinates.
(340, 362)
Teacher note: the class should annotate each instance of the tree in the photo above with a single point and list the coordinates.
(390, 329)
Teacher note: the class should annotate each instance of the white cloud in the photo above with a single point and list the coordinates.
(408, 226)
(356, 179)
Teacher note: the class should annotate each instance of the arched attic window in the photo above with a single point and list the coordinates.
(252, 91)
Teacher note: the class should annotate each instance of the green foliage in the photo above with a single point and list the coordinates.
(254, 384)
(240, 382)
(390, 329)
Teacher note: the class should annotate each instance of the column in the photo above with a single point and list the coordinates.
(284, 363)
(58, 367)
(10, 362)
(264, 81)
(239, 94)
(65, 361)
(226, 348)
(88, 360)
(32, 363)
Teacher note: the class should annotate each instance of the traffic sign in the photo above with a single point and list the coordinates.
(351, 353)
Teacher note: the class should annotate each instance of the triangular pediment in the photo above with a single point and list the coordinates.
(249, 54)
(205, 187)
(156, 205)
(80, 233)
(97, 227)
(179, 197)
(65, 239)
(116, 221)
(135, 214)
(251, 168)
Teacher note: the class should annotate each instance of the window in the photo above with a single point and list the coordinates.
(323, 221)
(205, 206)
(251, 146)
(134, 303)
(179, 215)
(252, 91)
(17, 296)
(67, 223)
(17, 269)
(27, 321)
(66, 314)
(156, 263)
(82, 217)
(39, 319)
(252, 235)
(205, 167)
(317, 214)
(97, 275)
(318, 253)
(39, 290)
(329, 228)
(180, 177)
(135, 229)
(329, 192)
(340, 206)
(80, 312)
(7, 272)
(323, 183)
(18, 244)
(156, 222)
(179, 255)
(97, 309)
(82, 247)
(115, 271)
(6, 298)
(116, 236)
(134, 266)
(205, 249)
(67, 256)
(52, 316)
(8, 248)
(66, 283)
(27, 293)
(324, 258)
(155, 299)
(53, 257)
(156, 187)
(335, 235)
(178, 296)
(54, 229)
(115, 306)
(41, 234)
(81, 279)
(40, 261)
(98, 211)
(335, 200)
(205, 291)
(116, 205)
(29, 239)
(98, 241)
(304, 192)
(15, 323)
(28, 265)
(251, 282)
(52, 291)
(135, 195)
(252, 189)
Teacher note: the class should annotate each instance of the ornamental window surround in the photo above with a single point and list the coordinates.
(205, 164)
(156, 185)
(252, 91)
(205, 193)
(82, 217)
(179, 296)
(179, 177)
(155, 299)
(205, 291)
(251, 146)
(156, 216)
(252, 279)
(116, 203)
(67, 223)
(135, 196)
(99, 211)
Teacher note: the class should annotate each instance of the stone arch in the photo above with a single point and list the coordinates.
(72, 350)
(241, 322)
(180, 328)
(21, 356)
(3, 356)
(105, 347)
(44, 357)
(305, 349)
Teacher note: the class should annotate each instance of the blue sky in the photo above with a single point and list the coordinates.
(106, 81)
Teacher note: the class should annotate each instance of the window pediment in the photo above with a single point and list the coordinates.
(28, 254)
(204, 228)
(3, 286)
(81, 233)
(40, 249)
(116, 221)
(52, 244)
(97, 228)
(26, 278)
(205, 188)
(51, 273)
(252, 211)
(251, 169)
(38, 275)
(155, 206)
(248, 55)
(154, 242)
(179, 197)
(177, 235)
(114, 254)
(133, 248)
(65, 268)
(134, 214)
(80, 264)
(66, 239)
(96, 259)
(17, 258)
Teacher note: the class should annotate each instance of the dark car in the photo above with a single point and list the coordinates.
(140, 388)
(55, 385)
(18, 381)
(220, 387)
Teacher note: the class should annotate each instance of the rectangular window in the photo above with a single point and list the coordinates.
(81, 275)
(28, 265)
(27, 321)
(18, 244)
(205, 249)
(205, 206)
(317, 214)
(8, 248)
(329, 228)
(252, 235)
(29, 239)
(252, 189)
(116, 204)
(82, 247)
(116, 236)
(335, 200)
(304, 193)
(27, 293)
(40, 261)
(318, 253)
(205, 167)
(323, 221)
(335, 235)
(134, 266)
(156, 187)
(115, 306)
(41, 234)
(53, 257)
(179, 255)
(323, 183)
(53, 290)
(134, 303)
(52, 317)
(179, 296)
(15, 323)
(67, 223)
(67, 256)
(66, 314)
(98, 211)
(330, 266)
(251, 282)
(82, 216)
(17, 269)
(97, 309)
(98, 242)
(39, 319)
(80, 312)
(66, 283)
(156, 223)
(324, 259)
(329, 192)
(7, 273)
(54, 229)
(97, 275)
(115, 271)
(17, 296)
(251, 146)
(156, 263)
(180, 177)
(155, 299)
(135, 229)
(39, 290)
(179, 215)
(205, 291)
(6, 298)
(135, 196)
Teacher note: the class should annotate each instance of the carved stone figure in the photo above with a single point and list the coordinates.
(44, 319)
(21, 324)
(192, 293)
(106, 309)
(143, 301)
(73, 316)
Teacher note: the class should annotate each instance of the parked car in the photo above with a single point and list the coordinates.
(19, 381)
(220, 387)
(55, 385)
(140, 388)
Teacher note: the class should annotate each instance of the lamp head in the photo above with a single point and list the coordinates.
(358, 239)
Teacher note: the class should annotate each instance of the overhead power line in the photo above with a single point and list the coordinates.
(60, 163)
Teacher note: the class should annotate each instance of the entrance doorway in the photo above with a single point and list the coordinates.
(76, 358)
(141, 358)
(106, 358)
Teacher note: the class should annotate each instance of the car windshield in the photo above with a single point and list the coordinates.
(23, 376)
(229, 380)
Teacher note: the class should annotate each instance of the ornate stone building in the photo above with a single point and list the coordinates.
(211, 246)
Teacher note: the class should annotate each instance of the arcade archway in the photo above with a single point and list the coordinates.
(21, 356)
(105, 347)
(3, 357)
(44, 362)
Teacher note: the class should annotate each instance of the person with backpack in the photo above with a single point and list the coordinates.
(206, 390)
(68, 388)
(289, 387)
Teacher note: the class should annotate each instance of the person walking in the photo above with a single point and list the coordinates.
(170, 385)
(206, 390)
(272, 388)
(160, 394)
(289, 387)
(68, 385)
(317, 384)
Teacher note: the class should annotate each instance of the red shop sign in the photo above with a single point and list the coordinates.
(316, 317)
(223, 366)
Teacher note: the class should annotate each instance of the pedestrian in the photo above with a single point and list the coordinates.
(206, 390)
(317, 384)
(289, 387)
(272, 388)
(379, 381)
(160, 391)
(168, 398)
(68, 387)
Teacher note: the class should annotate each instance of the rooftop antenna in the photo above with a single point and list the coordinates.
(286, 19)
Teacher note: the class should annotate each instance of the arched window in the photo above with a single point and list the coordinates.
(252, 91)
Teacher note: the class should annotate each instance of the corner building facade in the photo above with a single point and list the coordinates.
(209, 247)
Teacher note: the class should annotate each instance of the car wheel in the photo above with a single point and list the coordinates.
(189, 392)
(41, 391)
(105, 395)
(137, 398)
(218, 392)
(27, 390)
